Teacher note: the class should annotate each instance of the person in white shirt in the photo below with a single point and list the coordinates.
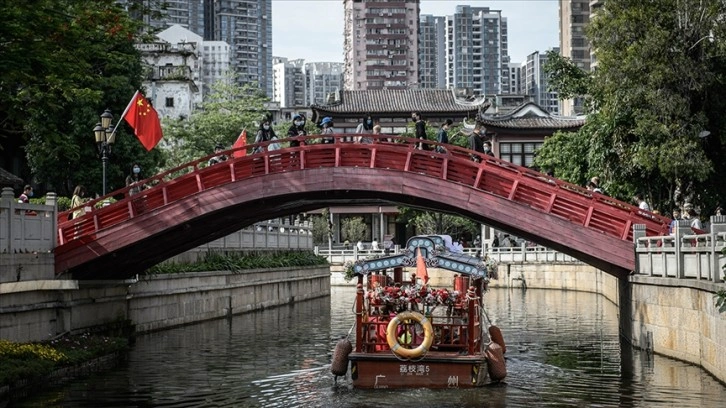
(374, 245)
(642, 204)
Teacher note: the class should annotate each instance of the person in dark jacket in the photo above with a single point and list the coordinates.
(476, 143)
(297, 128)
(264, 134)
(420, 130)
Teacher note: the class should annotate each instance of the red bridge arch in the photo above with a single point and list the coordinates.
(191, 205)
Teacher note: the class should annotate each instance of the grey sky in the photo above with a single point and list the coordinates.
(313, 29)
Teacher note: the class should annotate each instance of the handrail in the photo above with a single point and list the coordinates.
(491, 175)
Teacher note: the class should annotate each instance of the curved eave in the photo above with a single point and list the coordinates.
(519, 124)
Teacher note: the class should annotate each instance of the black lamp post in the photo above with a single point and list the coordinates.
(104, 140)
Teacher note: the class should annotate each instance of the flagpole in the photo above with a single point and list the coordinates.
(131, 102)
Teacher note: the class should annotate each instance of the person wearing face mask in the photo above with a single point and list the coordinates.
(27, 193)
(487, 147)
(297, 129)
(264, 134)
(365, 126)
(133, 179)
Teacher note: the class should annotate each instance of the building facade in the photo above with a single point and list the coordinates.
(288, 82)
(381, 44)
(477, 57)
(245, 25)
(574, 17)
(173, 68)
(535, 82)
(322, 79)
(432, 52)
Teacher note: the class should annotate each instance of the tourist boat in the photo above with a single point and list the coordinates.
(409, 334)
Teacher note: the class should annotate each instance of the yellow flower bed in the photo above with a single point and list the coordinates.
(20, 350)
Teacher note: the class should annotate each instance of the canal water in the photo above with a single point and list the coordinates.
(562, 351)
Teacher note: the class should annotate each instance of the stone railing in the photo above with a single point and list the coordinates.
(26, 228)
(684, 254)
(271, 234)
(516, 254)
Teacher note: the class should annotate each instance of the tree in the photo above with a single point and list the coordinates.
(655, 95)
(64, 62)
(226, 111)
(353, 229)
(435, 223)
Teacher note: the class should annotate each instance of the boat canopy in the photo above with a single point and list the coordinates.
(437, 252)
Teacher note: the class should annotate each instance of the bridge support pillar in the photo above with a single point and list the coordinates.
(625, 320)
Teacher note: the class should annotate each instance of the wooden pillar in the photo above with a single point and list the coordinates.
(359, 315)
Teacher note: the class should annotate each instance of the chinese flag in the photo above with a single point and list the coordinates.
(241, 142)
(421, 270)
(145, 121)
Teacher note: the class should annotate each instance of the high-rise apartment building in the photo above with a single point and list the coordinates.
(288, 82)
(574, 17)
(246, 25)
(477, 51)
(535, 82)
(322, 78)
(432, 52)
(381, 44)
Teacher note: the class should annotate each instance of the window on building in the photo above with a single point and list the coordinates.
(169, 102)
(519, 153)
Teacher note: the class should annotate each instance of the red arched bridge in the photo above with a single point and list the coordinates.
(194, 204)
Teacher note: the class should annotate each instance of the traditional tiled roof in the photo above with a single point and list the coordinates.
(408, 100)
(9, 179)
(531, 116)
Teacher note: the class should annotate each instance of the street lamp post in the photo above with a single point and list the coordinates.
(104, 135)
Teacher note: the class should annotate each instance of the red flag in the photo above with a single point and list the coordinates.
(421, 270)
(145, 121)
(241, 142)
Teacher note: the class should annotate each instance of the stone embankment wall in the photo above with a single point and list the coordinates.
(678, 318)
(40, 312)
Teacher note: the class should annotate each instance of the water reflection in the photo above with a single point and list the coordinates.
(563, 350)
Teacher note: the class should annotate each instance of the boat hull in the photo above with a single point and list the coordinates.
(385, 370)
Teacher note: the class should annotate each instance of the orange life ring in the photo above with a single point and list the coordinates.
(392, 338)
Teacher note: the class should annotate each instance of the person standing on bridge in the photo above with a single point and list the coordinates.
(443, 135)
(642, 204)
(219, 156)
(297, 130)
(78, 200)
(327, 124)
(133, 180)
(419, 130)
(265, 133)
(476, 143)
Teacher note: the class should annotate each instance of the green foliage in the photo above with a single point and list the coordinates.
(566, 78)
(428, 222)
(64, 62)
(226, 111)
(348, 272)
(353, 229)
(657, 87)
(236, 262)
(320, 228)
(27, 361)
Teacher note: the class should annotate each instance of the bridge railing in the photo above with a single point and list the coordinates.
(517, 254)
(515, 183)
(26, 227)
(684, 254)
